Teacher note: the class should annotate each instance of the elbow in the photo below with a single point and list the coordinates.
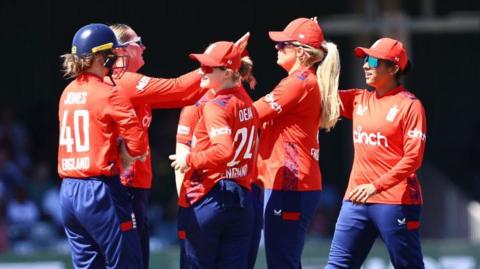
(226, 153)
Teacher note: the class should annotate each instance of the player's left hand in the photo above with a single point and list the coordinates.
(179, 162)
(361, 193)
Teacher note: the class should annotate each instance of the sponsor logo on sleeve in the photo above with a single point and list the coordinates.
(183, 130)
(142, 83)
(220, 131)
(274, 105)
(416, 133)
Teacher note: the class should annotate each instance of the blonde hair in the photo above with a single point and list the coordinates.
(73, 65)
(122, 32)
(328, 72)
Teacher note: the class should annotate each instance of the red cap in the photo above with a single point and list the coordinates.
(303, 30)
(386, 49)
(222, 53)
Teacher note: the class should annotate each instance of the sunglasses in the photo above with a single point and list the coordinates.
(137, 40)
(210, 69)
(372, 61)
(282, 45)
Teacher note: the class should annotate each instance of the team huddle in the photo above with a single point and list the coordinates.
(241, 166)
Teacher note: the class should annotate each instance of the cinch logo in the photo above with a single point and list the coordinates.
(373, 139)
(415, 133)
(275, 106)
(220, 131)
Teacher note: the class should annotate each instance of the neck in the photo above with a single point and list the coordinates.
(226, 85)
(382, 90)
(295, 67)
(97, 70)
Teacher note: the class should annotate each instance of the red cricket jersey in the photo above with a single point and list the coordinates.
(289, 149)
(389, 135)
(146, 93)
(91, 114)
(189, 117)
(223, 145)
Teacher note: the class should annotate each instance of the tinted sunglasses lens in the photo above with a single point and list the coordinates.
(372, 61)
(206, 69)
(281, 45)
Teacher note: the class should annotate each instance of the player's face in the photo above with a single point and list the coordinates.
(135, 50)
(378, 72)
(212, 77)
(286, 55)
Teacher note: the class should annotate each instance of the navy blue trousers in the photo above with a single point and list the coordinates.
(358, 226)
(140, 208)
(257, 193)
(287, 215)
(216, 231)
(99, 223)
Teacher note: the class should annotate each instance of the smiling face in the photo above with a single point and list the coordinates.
(135, 50)
(213, 77)
(380, 72)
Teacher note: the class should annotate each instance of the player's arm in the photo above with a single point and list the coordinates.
(162, 92)
(186, 123)
(180, 150)
(279, 101)
(348, 101)
(130, 129)
(220, 134)
(414, 137)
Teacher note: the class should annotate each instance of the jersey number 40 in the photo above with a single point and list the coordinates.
(81, 124)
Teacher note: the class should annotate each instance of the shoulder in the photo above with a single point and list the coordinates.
(222, 101)
(408, 97)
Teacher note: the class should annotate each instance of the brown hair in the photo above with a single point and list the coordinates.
(73, 65)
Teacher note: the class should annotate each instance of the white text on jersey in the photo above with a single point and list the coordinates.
(245, 114)
(415, 133)
(220, 131)
(274, 105)
(237, 172)
(69, 164)
(76, 98)
(373, 139)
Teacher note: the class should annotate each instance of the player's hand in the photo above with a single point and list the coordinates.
(242, 42)
(361, 193)
(179, 162)
(126, 159)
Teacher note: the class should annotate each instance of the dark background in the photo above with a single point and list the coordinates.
(445, 75)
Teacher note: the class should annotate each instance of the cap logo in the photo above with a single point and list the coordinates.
(209, 49)
(301, 36)
(397, 59)
(229, 62)
(74, 49)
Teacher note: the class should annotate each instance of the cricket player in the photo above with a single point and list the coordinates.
(292, 114)
(147, 93)
(383, 197)
(216, 204)
(96, 208)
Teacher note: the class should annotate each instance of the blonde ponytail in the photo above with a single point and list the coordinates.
(328, 72)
